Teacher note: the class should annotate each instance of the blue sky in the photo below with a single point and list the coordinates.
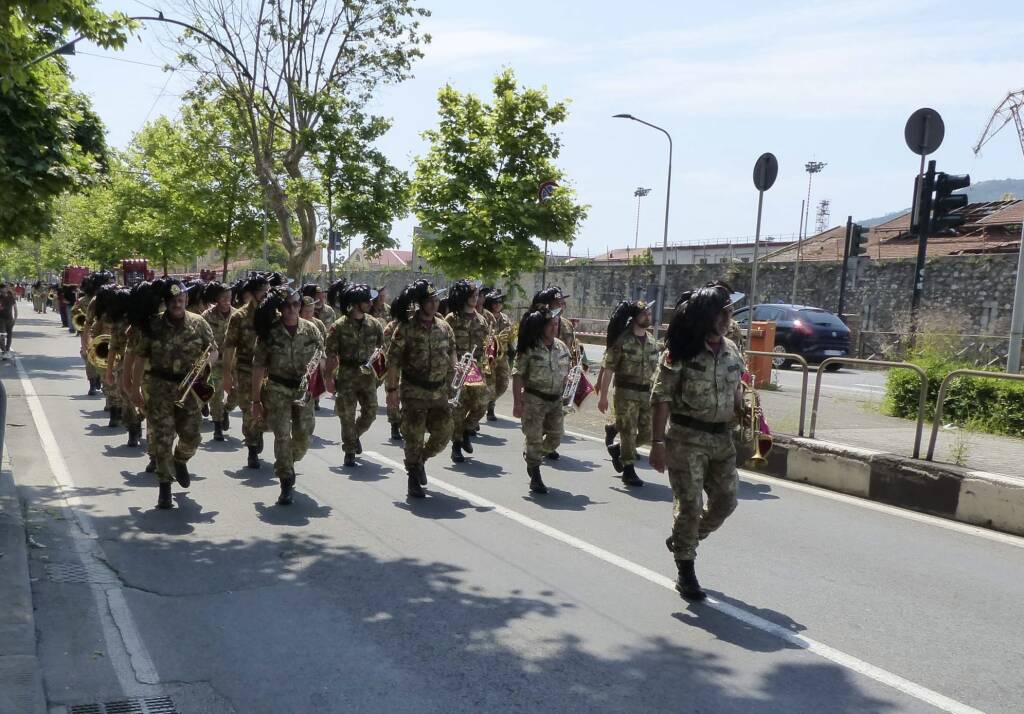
(827, 81)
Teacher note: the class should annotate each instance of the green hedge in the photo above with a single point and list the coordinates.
(992, 405)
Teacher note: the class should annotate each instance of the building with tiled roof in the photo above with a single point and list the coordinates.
(991, 227)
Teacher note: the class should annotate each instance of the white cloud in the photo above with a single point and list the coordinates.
(465, 44)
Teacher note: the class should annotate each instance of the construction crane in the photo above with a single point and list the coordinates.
(1008, 110)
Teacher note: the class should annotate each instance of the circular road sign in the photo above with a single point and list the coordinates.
(766, 170)
(924, 131)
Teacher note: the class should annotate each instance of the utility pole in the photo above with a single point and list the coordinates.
(799, 239)
(639, 193)
(811, 167)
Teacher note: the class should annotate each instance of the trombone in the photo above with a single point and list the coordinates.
(196, 380)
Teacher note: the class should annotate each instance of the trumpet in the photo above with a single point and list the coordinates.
(572, 383)
(195, 381)
(375, 364)
(99, 352)
(753, 427)
(312, 368)
(78, 320)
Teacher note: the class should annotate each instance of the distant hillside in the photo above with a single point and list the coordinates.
(981, 192)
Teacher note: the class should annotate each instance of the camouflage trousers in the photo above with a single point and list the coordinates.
(502, 374)
(543, 426)
(166, 421)
(354, 390)
(252, 429)
(470, 410)
(292, 425)
(220, 404)
(420, 416)
(129, 413)
(395, 415)
(633, 420)
(699, 463)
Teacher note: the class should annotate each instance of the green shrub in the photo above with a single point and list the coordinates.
(992, 405)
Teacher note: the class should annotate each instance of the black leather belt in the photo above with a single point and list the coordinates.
(421, 383)
(285, 381)
(710, 427)
(166, 376)
(635, 386)
(542, 395)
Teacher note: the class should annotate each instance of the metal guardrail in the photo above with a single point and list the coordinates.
(921, 402)
(942, 397)
(803, 387)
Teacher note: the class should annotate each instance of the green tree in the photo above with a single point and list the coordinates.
(292, 61)
(475, 191)
(644, 258)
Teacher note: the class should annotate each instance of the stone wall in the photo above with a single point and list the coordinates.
(962, 294)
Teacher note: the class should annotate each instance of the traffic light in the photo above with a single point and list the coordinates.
(945, 202)
(858, 240)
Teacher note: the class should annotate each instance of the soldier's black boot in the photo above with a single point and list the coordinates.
(552, 456)
(415, 490)
(287, 488)
(457, 456)
(218, 431)
(610, 432)
(490, 412)
(181, 474)
(350, 459)
(134, 434)
(686, 583)
(163, 501)
(92, 386)
(615, 451)
(629, 476)
(536, 482)
(151, 466)
(466, 445)
(396, 432)
(254, 458)
(115, 417)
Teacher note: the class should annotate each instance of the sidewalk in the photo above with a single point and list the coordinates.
(21, 686)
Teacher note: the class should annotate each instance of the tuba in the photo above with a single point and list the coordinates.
(753, 427)
(99, 352)
(78, 320)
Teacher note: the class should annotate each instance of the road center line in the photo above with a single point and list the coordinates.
(126, 650)
(850, 662)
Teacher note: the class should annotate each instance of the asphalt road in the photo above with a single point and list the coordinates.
(481, 597)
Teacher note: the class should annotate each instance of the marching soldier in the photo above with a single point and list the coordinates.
(174, 343)
(239, 343)
(420, 368)
(698, 385)
(101, 324)
(631, 359)
(352, 344)
(380, 308)
(538, 380)
(308, 312)
(287, 348)
(218, 297)
(494, 303)
(113, 376)
(90, 284)
(196, 296)
(394, 412)
(555, 299)
(145, 304)
(471, 332)
(322, 310)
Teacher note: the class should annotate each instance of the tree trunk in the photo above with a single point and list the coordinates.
(224, 273)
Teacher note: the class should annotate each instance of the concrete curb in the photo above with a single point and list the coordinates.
(975, 497)
(21, 682)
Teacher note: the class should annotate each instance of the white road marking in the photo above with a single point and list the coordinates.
(965, 528)
(843, 659)
(126, 651)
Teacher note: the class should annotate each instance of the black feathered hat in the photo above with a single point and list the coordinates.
(531, 328)
(459, 294)
(213, 291)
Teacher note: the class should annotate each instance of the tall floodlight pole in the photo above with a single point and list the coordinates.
(639, 193)
(811, 167)
(664, 240)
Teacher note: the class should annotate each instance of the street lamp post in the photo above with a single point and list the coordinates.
(639, 193)
(811, 167)
(664, 240)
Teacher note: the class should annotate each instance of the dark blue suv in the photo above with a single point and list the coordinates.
(810, 332)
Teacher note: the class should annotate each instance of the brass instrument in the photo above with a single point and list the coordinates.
(99, 352)
(506, 338)
(308, 379)
(466, 375)
(753, 427)
(196, 381)
(376, 364)
(78, 320)
(572, 383)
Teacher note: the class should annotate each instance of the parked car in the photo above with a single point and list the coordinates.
(810, 332)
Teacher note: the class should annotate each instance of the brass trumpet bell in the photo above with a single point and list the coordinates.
(99, 352)
(78, 320)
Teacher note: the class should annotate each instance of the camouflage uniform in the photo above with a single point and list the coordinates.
(489, 372)
(326, 314)
(382, 311)
(219, 405)
(285, 357)
(394, 413)
(735, 334)
(424, 358)
(543, 371)
(96, 328)
(633, 360)
(567, 334)
(320, 326)
(172, 351)
(241, 336)
(700, 455)
(502, 368)
(470, 336)
(118, 347)
(83, 306)
(352, 342)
